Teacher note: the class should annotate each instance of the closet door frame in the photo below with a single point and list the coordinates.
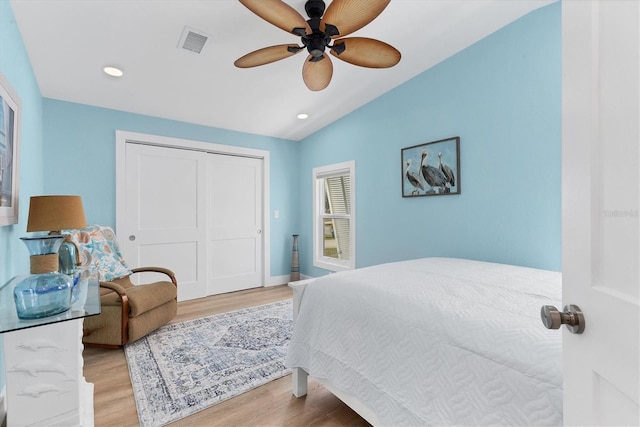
(124, 137)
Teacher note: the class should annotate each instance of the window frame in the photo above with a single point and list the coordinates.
(318, 176)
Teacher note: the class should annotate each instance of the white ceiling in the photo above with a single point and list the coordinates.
(70, 41)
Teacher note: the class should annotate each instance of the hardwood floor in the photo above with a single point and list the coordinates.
(269, 405)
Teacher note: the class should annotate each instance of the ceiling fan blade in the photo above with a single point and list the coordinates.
(366, 52)
(278, 13)
(267, 55)
(351, 15)
(317, 74)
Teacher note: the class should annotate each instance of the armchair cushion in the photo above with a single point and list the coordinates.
(143, 298)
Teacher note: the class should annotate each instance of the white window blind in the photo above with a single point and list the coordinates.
(334, 242)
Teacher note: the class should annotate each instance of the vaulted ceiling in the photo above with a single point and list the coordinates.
(70, 41)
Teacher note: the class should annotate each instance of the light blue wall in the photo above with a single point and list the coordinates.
(15, 65)
(80, 152)
(502, 96)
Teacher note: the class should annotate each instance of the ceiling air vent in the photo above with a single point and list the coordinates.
(193, 40)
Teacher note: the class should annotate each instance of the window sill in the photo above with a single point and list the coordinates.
(333, 266)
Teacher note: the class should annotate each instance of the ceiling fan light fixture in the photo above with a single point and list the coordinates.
(113, 71)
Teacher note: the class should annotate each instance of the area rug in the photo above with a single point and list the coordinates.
(183, 368)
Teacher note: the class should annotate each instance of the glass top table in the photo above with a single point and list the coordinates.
(87, 304)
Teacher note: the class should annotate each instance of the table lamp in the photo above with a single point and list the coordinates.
(54, 214)
(48, 291)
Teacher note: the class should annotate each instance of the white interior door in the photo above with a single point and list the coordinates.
(600, 157)
(165, 214)
(234, 223)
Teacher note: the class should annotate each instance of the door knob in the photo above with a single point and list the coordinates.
(572, 317)
(132, 237)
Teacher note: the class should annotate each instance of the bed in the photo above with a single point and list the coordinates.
(433, 341)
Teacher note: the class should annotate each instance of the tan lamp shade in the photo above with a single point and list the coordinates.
(55, 213)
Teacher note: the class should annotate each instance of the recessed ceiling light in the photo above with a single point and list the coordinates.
(113, 71)
(302, 116)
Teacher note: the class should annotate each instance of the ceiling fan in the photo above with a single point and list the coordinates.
(341, 18)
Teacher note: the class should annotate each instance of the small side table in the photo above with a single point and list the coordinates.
(43, 363)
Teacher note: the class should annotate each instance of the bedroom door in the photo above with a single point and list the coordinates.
(601, 189)
(234, 223)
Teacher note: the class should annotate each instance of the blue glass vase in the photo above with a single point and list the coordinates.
(45, 292)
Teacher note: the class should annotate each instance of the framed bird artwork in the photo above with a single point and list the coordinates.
(431, 169)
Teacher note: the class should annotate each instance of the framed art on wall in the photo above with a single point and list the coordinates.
(431, 169)
(9, 152)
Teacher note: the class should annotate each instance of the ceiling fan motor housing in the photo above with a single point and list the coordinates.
(317, 41)
(314, 8)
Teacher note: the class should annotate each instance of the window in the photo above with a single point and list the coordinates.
(334, 243)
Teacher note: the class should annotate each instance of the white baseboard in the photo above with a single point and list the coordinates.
(277, 280)
(282, 280)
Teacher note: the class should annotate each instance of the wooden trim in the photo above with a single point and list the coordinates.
(124, 320)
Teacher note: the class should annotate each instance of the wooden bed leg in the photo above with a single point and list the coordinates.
(299, 378)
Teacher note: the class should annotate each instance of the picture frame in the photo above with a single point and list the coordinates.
(431, 169)
(10, 112)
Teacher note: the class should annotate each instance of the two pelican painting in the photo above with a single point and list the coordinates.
(431, 169)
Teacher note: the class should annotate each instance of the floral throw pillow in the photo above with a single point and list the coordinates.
(97, 245)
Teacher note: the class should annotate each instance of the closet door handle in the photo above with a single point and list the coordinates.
(132, 237)
(259, 231)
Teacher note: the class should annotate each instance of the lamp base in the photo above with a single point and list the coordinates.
(44, 292)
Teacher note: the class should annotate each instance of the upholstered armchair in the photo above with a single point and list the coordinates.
(129, 311)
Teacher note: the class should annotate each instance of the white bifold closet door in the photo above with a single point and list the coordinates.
(197, 213)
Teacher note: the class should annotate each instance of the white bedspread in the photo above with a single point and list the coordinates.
(436, 341)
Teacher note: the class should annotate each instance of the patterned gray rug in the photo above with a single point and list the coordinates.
(185, 367)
